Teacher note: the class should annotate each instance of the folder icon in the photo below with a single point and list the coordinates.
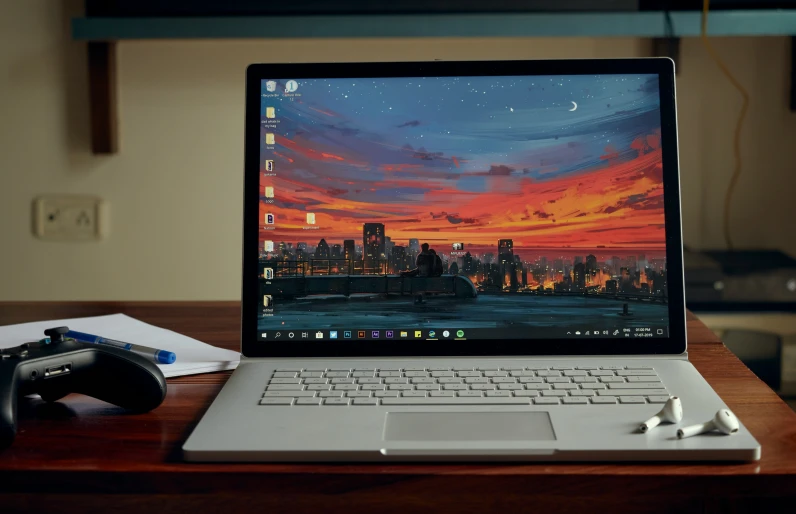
(310, 218)
(270, 112)
(269, 192)
(268, 246)
(269, 139)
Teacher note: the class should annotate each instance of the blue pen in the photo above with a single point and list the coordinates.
(159, 356)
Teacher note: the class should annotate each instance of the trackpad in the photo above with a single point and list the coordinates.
(468, 426)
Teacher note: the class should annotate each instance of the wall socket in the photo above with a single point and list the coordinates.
(69, 218)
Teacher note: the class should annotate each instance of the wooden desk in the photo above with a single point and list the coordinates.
(85, 456)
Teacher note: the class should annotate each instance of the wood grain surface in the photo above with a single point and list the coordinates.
(84, 455)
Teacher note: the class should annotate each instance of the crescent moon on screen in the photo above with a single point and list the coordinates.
(574, 106)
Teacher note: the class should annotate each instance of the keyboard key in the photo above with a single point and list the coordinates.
(658, 398)
(438, 374)
(530, 380)
(442, 393)
(400, 387)
(575, 373)
(537, 387)
(634, 386)
(390, 369)
(603, 400)
(372, 370)
(423, 380)
(286, 380)
(638, 366)
(537, 368)
(526, 393)
(388, 374)
(450, 380)
(469, 373)
(545, 401)
(612, 380)
(523, 373)
(582, 380)
(284, 374)
(428, 387)
(315, 381)
(336, 401)
(574, 400)
(368, 380)
(588, 367)
(406, 370)
(360, 374)
(414, 374)
(394, 380)
(632, 392)
(347, 370)
(632, 399)
(513, 368)
(483, 387)
(310, 374)
(643, 379)
(489, 368)
(612, 367)
(291, 394)
(559, 380)
(454, 387)
(637, 373)
(357, 394)
(365, 401)
(413, 394)
(276, 401)
(456, 400)
(318, 387)
(383, 394)
(330, 394)
(463, 368)
(601, 373)
(554, 393)
(282, 370)
(342, 380)
(315, 370)
(496, 373)
(592, 386)
(346, 387)
(469, 394)
(438, 368)
(286, 387)
(308, 401)
(372, 387)
(548, 373)
(476, 380)
(337, 374)
(582, 392)
(510, 387)
(504, 380)
(498, 393)
(561, 367)
(565, 386)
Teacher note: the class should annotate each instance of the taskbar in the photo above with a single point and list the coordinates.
(460, 334)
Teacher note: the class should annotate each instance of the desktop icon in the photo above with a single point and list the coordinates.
(587, 332)
(460, 333)
(270, 86)
(318, 335)
(333, 334)
(268, 273)
(270, 112)
(404, 333)
(347, 334)
(305, 335)
(616, 332)
(375, 334)
(269, 165)
(361, 334)
(577, 332)
(310, 218)
(268, 300)
(290, 335)
(269, 219)
(264, 335)
(605, 332)
(268, 246)
(269, 191)
(458, 246)
(269, 139)
(431, 333)
(278, 335)
(291, 86)
(418, 333)
(388, 334)
(446, 334)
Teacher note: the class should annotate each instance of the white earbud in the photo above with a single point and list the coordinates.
(672, 412)
(724, 421)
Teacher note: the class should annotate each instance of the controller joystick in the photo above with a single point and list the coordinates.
(68, 366)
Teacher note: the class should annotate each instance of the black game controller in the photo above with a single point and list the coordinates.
(62, 366)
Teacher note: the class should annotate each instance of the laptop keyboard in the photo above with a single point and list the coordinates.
(537, 385)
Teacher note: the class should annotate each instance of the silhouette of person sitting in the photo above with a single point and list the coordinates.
(424, 263)
(436, 269)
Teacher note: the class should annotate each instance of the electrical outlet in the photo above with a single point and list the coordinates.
(69, 218)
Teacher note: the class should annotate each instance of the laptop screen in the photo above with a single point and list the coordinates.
(455, 208)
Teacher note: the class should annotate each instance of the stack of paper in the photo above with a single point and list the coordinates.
(192, 356)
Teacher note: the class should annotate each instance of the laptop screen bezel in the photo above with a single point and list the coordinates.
(674, 344)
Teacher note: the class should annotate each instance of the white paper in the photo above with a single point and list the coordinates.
(192, 356)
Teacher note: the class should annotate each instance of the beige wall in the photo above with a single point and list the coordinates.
(175, 187)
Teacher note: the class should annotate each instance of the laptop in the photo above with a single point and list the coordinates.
(462, 261)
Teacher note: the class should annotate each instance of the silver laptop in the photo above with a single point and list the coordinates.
(461, 261)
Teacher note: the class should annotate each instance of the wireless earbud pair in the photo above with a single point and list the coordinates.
(724, 421)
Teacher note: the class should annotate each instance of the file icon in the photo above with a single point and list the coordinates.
(269, 192)
(268, 246)
(270, 112)
(269, 139)
(269, 165)
(310, 218)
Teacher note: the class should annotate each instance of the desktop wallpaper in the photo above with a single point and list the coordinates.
(541, 195)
